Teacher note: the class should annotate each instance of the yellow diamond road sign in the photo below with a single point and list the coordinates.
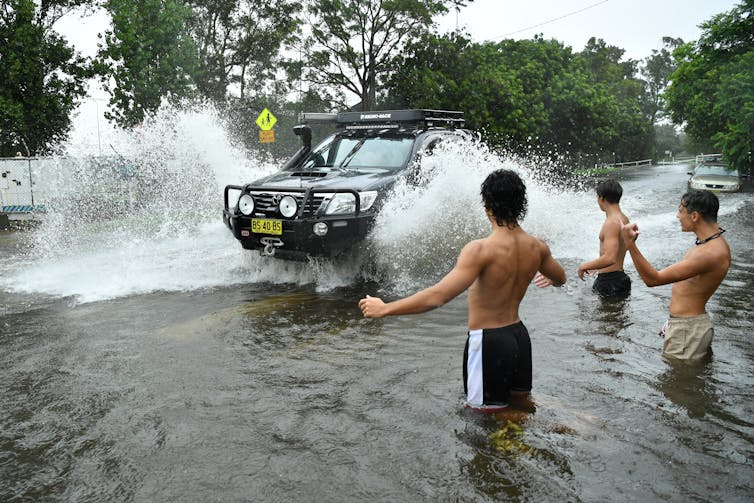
(266, 120)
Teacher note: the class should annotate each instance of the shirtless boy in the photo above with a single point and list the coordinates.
(497, 271)
(611, 280)
(688, 332)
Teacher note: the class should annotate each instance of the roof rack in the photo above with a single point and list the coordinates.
(395, 118)
(387, 119)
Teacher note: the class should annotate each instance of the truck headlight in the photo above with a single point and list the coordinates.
(246, 204)
(345, 202)
(367, 199)
(288, 206)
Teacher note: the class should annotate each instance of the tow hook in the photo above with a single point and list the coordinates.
(270, 245)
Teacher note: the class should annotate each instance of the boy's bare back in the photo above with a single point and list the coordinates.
(496, 270)
(509, 259)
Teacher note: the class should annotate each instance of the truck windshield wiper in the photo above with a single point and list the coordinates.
(352, 153)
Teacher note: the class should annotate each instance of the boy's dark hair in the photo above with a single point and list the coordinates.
(610, 190)
(703, 202)
(504, 195)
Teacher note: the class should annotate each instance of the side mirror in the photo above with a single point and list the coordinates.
(305, 132)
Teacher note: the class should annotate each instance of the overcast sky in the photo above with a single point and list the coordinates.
(634, 25)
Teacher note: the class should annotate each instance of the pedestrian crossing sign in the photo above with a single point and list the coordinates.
(266, 120)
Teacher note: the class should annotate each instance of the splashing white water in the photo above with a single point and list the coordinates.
(148, 218)
(421, 229)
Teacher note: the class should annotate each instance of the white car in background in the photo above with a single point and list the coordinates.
(715, 178)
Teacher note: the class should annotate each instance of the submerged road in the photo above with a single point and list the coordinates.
(134, 377)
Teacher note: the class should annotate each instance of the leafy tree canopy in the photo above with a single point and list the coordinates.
(656, 70)
(42, 78)
(239, 43)
(524, 93)
(353, 40)
(148, 56)
(712, 90)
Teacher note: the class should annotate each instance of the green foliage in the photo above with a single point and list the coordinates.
(521, 94)
(629, 133)
(603, 62)
(239, 43)
(656, 71)
(524, 93)
(148, 56)
(353, 40)
(42, 79)
(667, 139)
(712, 90)
(734, 100)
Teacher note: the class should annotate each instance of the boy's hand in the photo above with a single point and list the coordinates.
(371, 307)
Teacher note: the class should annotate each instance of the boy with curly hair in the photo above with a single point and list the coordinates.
(497, 271)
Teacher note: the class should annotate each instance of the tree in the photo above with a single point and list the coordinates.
(239, 43)
(42, 77)
(735, 101)
(450, 72)
(604, 62)
(667, 139)
(354, 40)
(656, 71)
(606, 67)
(520, 94)
(712, 90)
(148, 56)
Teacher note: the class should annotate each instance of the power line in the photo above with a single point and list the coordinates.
(550, 21)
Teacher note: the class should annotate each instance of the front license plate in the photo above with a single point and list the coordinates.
(264, 226)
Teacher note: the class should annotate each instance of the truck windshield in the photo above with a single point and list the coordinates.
(384, 152)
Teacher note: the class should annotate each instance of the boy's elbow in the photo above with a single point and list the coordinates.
(651, 282)
(559, 279)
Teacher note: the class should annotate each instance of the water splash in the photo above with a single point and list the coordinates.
(147, 217)
(143, 218)
(422, 228)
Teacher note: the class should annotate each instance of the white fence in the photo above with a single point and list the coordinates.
(643, 162)
(696, 159)
(19, 191)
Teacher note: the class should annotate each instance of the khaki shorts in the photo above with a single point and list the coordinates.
(687, 338)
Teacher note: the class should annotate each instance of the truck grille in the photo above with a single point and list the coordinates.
(267, 202)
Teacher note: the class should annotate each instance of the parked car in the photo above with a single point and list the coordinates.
(716, 178)
(325, 199)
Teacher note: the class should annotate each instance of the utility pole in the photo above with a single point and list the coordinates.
(31, 179)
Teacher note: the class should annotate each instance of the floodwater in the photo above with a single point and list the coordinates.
(149, 358)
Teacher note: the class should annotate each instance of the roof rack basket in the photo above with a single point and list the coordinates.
(427, 118)
(387, 118)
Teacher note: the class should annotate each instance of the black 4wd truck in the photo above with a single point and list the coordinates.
(325, 199)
